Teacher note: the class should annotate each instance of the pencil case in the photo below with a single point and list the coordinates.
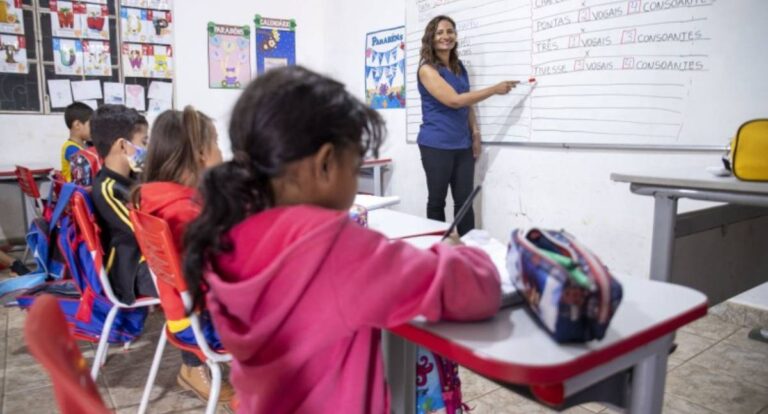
(749, 151)
(567, 289)
(359, 214)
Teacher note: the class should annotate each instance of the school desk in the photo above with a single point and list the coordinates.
(397, 225)
(8, 179)
(372, 202)
(626, 369)
(668, 185)
(377, 166)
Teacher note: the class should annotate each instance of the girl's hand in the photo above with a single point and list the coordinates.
(453, 239)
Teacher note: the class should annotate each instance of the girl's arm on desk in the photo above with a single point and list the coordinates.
(385, 284)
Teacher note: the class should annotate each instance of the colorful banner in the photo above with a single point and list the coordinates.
(229, 58)
(96, 25)
(14, 57)
(275, 43)
(385, 68)
(68, 56)
(11, 17)
(98, 61)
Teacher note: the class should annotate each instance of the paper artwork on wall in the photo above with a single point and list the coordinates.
(114, 93)
(229, 58)
(67, 56)
(59, 92)
(385, 68)
(67, 18)
(98, 60)
(275, 43)
(134, 97)
(13, 54)
(11, 17)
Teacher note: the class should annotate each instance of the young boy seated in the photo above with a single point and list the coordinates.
(77, 117)
(86, 163)
(121, 145)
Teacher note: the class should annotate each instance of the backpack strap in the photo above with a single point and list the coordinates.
(64, 196)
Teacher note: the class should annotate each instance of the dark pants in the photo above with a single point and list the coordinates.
(454, 168)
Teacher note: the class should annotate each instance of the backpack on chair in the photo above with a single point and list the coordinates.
(82, 298)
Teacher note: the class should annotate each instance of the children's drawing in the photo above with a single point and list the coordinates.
(135, 59)
(98, 61)
(96, 22)
(11, 17)
(68, 18)
(161, 61)
(229, 60)
(13, 54)
(68, 56)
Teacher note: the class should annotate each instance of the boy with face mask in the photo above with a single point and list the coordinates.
(120, 137)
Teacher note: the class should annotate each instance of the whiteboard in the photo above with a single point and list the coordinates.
(666, 73)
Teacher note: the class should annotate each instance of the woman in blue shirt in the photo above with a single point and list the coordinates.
(449, 137)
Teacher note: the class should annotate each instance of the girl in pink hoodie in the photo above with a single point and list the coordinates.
(298, 292)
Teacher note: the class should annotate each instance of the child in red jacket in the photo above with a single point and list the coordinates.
(298, 292)
(183, 145)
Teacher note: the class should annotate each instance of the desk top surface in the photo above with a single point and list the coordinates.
(512, 347)
(397, 225)
(691, 178)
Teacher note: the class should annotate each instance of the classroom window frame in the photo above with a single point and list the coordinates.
(41, 65)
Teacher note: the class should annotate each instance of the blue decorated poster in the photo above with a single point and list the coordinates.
(275, 43)
(385, 68)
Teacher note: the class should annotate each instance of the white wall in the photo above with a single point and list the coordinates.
(191, 20)
(523, 186)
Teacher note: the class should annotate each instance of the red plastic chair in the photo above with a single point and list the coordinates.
(49, 341)
(86, 224)
(156, 243)
(29, 187)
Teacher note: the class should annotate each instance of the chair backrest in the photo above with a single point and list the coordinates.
(27, 182)
(89, 231)
(47, 334)
(156, 243)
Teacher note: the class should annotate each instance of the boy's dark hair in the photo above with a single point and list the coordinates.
(109, 123)
(283, 116)
(77, 111)
(140, 122)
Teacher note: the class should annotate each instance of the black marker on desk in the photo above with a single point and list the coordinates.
(462, 212)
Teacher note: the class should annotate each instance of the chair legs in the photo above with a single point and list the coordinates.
(213, 397)
(153, 371)
(103, 348)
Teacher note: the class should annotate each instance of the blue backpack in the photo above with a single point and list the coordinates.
(82, 298)
(41, 242)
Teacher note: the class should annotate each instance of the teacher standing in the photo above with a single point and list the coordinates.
(449, 136)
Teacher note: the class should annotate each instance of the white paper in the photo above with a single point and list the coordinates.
(59, 92)
(84, 90)
(161, 91)
(114, 93)
(92, 103)
(496, 250)
(157, 106)
(134, 97)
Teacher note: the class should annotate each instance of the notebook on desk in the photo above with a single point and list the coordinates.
(497, 252)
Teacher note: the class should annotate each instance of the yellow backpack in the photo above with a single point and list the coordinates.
(749, 151)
